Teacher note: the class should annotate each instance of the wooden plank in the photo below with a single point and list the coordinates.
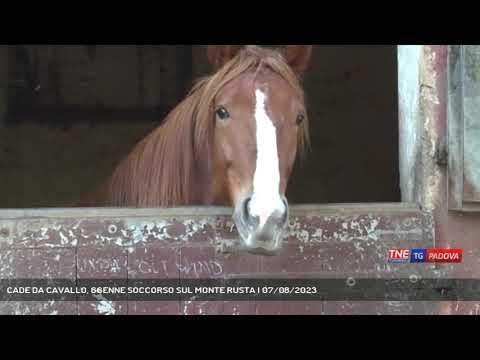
(471, 128)
(463, 128)
(410, 126)
(327, 209)
(190, 243)
(455, 128)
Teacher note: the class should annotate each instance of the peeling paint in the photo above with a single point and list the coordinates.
(431, 170)
(337, 241)
(408, 77)
(105, 308)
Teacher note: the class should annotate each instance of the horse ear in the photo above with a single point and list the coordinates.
(219, 55)
(298, 57)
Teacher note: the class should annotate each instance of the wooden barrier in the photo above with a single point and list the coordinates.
(323, 242)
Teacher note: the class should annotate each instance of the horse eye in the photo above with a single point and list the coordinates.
(300, 119)
(222, 113)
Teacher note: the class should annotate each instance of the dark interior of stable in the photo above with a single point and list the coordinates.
(73, 112)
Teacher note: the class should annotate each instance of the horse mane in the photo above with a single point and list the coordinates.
(171, 166)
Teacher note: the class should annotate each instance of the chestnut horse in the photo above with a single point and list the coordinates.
(232, 142)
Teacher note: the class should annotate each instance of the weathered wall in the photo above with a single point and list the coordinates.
(453, 229)
(352, 97)
(464, 128)
(409, 119)
(344, 242)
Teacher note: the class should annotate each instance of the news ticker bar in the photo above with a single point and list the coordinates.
(349, 289)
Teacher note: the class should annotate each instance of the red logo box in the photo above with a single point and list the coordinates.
(444, 255)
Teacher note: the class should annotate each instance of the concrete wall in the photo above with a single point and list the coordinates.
(58, 149)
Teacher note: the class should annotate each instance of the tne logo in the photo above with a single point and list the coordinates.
(398, 255)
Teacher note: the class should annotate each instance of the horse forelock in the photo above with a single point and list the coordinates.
(251, 58)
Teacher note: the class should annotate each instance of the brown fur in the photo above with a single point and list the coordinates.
(172, 165)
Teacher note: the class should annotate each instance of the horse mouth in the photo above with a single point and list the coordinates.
(262, 252)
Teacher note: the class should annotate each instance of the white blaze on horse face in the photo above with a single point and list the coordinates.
(266, 182)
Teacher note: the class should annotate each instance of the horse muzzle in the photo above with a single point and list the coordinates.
(261, 237)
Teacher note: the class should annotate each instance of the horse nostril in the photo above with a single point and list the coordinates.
(279, 216)
(246, 209)
(286, 212)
